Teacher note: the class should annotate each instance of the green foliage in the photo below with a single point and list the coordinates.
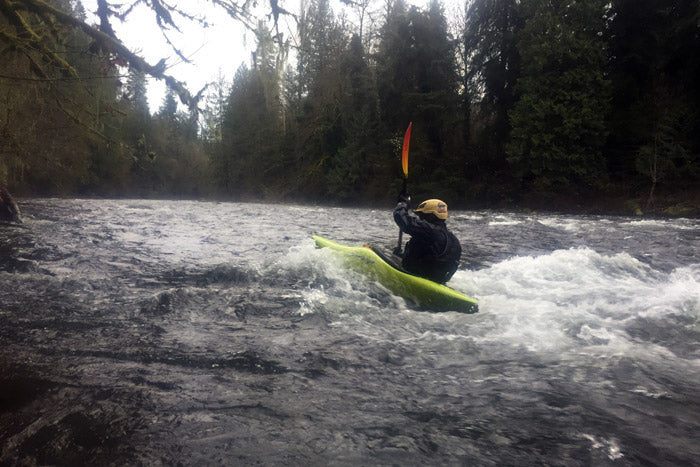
(532, 98)
(248, 162)
(490, 37)
(655, 69)
(559, 122)
(417, 81)
(666, 154)
(347, 175)
(213, 113)
(49, 121)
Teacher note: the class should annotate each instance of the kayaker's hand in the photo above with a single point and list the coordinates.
(404, 197)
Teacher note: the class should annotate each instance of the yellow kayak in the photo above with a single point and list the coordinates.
(428, 294)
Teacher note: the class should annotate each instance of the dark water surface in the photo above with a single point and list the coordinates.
(164, 332)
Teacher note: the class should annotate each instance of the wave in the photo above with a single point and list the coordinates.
(576, 298)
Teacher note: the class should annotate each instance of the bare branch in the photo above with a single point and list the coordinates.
(105, 42)
(104, 37)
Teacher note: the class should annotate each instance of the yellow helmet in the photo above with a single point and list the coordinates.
(433, 206)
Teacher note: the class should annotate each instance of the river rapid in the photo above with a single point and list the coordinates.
(197, 333)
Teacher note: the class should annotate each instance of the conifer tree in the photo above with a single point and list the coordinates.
(417, 81)
(655, 68)
(559, 122)
(492, 29)
(251, 159)
(357, 169)
(318, 131)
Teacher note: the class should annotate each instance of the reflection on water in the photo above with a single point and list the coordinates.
(215, 333)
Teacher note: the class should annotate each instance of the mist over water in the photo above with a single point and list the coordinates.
(146, 332)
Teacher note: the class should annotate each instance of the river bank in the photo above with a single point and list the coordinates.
(614, 202)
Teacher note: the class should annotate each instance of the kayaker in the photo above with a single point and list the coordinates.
(433, 251)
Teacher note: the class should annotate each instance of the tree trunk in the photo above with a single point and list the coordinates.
(653, 170)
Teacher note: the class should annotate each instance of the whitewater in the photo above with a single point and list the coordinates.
(162, 332)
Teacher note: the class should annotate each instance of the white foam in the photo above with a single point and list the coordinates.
(611, 446)
(569, 225)
(504, 222)
(574, 302)
(650, 393)
(680, 224)
(575, 297)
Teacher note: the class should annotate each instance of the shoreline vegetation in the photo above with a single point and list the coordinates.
(616, 203)
(585, 106)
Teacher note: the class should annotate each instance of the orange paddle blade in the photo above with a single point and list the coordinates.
(404, 154)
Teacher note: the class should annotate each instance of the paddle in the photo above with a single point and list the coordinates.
(404, 166)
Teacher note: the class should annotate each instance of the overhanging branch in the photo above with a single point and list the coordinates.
(104, 41)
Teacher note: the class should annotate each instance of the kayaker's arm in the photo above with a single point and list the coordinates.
(401, 214)
(410, 223)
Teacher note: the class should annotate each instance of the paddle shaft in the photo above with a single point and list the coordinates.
(404, 167)
(401, 231)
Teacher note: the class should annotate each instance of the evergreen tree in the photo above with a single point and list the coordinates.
(251, 160)
(534, 85)
(354, 170)
(168, 110)
(393, 73)
(490, 37)
(559, 123)
(137, 134)
(318, 131)
(111, 158)
(667, 154)
(655, 67)
(213, 114)
(180, 166)
(417, 81)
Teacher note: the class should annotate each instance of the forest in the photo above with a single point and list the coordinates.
(571, 104)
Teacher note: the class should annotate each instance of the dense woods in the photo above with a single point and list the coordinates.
(530, 102)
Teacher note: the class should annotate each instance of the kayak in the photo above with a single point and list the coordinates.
(425, 293)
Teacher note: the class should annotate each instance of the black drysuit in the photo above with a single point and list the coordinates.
(433, 251)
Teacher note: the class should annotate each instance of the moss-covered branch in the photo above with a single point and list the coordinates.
(104, 40)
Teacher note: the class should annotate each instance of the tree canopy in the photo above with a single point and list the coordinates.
(520, 100)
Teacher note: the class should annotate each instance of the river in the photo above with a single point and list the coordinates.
(180, 332)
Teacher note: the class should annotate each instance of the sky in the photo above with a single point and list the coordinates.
(219, 49)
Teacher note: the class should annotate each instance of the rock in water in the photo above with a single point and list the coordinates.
(9, 211)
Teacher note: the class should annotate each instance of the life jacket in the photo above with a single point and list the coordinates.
(430, 261)
(433, 251)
